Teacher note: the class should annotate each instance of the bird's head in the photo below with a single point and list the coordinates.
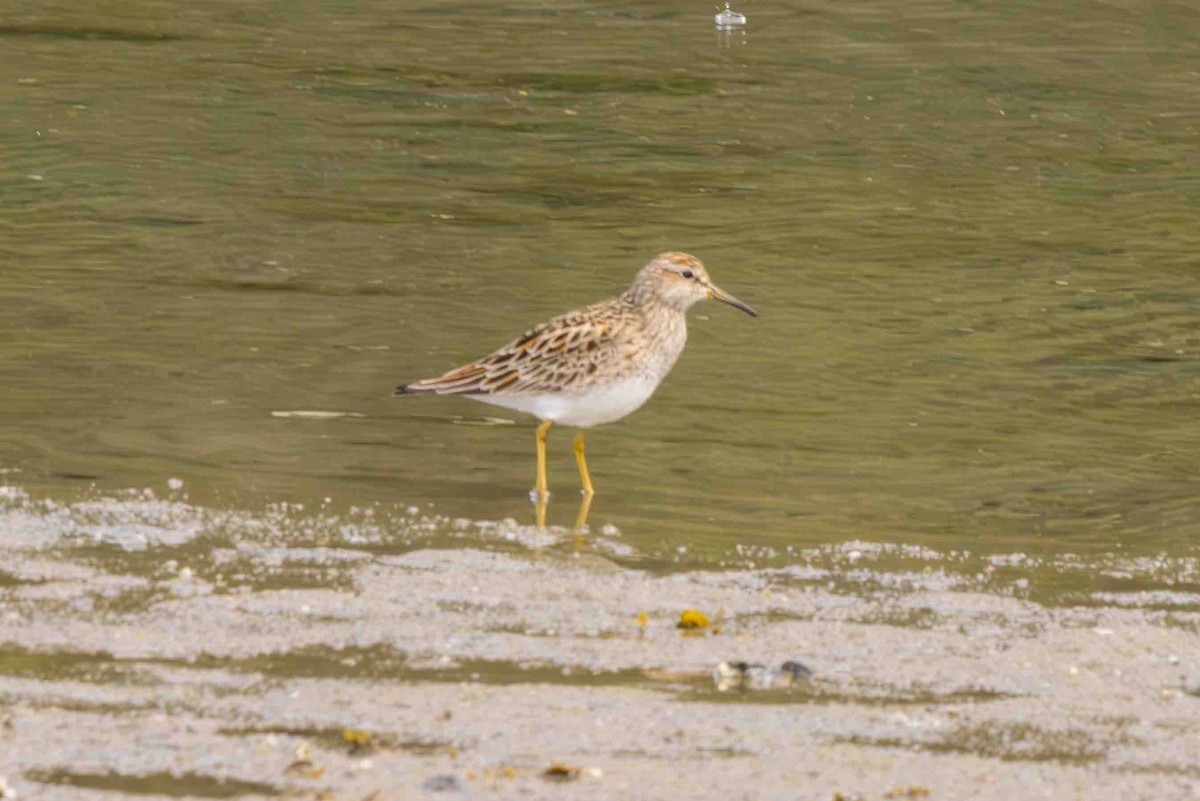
(679, 281)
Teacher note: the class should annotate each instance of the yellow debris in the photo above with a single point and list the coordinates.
(357, 737)
(360, 741)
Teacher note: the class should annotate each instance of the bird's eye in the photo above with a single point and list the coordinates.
(688, 274)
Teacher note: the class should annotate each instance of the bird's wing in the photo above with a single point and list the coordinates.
(554, 356)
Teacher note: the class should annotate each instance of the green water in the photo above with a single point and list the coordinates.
(970, 231)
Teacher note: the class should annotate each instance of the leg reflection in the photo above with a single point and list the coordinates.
(540, 500)
(585, 505)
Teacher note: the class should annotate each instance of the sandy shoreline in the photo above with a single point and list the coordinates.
(151, 649)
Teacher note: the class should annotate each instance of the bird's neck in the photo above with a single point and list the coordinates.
(651, 304)
(660, 315)
(664, 327)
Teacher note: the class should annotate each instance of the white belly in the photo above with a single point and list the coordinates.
(601, 404)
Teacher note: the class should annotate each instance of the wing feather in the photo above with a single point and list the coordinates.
(554, 356)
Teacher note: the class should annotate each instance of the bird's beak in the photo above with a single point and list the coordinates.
(716, 293)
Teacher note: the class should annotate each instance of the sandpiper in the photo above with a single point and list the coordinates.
(592, 365)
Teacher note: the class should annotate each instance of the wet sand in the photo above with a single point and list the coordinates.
(153, 649)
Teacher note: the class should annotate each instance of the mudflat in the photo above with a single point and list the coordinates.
(150, 648)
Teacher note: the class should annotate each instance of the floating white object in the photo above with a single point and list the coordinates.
(314, 415)
(482, 421)
(729, 19)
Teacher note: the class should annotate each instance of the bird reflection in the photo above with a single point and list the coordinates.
(541, 500)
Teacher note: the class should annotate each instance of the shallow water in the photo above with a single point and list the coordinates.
(970, 232)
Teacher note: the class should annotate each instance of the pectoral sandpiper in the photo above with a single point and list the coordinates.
(593, 365)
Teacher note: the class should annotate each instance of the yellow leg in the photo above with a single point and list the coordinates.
(588, 489)
(542, 429)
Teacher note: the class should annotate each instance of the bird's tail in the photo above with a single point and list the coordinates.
(457, 381)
